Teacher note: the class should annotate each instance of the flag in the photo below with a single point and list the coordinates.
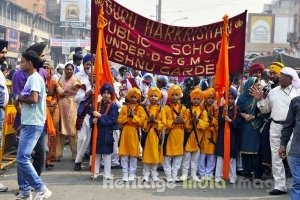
(102, 75)
(221, 84)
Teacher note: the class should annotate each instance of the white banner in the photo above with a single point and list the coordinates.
(57, 42)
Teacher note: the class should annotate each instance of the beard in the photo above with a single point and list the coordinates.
(275, 81)
(2, 60)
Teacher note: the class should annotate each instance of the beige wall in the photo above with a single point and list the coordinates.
(28, 4)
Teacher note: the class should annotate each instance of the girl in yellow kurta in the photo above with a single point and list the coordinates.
(198, 122)
(152, 134)
(174, 118)
(207, 159)
(131, 117)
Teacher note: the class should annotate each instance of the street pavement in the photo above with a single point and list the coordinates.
(65, 183)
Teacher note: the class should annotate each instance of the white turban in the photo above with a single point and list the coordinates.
(292, 73)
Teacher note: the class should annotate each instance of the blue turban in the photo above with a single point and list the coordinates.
(233, 92)
(108, 87)
(88, 57)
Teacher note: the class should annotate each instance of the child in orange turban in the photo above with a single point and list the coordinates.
(207, 147)
(198, 122)
(151, 135)
(174, 119)
(132, 116)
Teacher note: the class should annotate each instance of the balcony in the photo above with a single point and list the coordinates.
(23, 28)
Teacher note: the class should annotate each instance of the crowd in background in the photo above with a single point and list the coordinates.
(174, 122)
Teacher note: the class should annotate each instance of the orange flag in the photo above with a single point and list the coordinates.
(221, 84)
(102, 75)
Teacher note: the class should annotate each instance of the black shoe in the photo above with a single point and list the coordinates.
(116, 167)
(160, 168)
(277, 192)
(77, 166)
(49, 165)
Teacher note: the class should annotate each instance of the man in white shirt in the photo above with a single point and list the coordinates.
(83, 97)
(277, 102)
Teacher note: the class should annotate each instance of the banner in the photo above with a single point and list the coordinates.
(58, 42)
(146, 45)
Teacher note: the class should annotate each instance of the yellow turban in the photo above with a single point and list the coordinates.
(197, 92)
(276, 67)
(210, 92)
(174, 89)
(154, 90)
(134, 92)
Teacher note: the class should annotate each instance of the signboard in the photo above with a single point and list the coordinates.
(65, 50)
(56, 42)
(73, 13)
(146, 45)
(261, 28)
(13, 38)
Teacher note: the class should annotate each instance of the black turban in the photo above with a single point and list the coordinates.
(3, 44)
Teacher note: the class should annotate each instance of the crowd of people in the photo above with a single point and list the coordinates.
(152, 118)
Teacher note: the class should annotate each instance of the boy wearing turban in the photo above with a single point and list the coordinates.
(151, 135)
(105, 118)
(198, 122)
(174, 120)
(207, 147)
(229, 114)
(132, 116)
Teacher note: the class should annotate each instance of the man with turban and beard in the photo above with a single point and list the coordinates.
(131, 118)
(277, 102)
(105, 118)
(174, 121)
(84, 99)
(198, 122)
(3, 95)
(265, 161)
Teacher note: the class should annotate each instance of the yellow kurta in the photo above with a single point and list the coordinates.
(207, 146)
(175, 137)
(129, 140)
(152, 149)
(201, 126)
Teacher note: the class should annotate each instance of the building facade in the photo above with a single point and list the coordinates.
(22, 23)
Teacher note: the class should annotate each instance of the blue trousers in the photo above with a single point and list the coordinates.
(27, 175)
(295, 169)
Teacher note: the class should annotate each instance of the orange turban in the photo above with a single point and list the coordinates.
(174, 89)
(154, 90)
(134, 92)
(210, 92)
(197, 92)
(276, 67)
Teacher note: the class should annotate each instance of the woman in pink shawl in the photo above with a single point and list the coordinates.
(67, 87)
